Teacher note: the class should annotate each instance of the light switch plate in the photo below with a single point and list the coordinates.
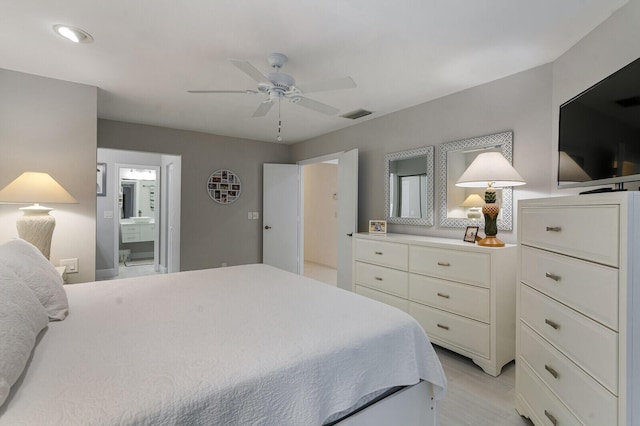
(256, 215)
(70, 264)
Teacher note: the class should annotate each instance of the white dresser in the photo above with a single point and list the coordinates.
(462, 294)
(578, 360)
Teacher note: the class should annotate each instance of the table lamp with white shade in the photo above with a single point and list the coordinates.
(490, 169)
(473, 202)
(36, 225)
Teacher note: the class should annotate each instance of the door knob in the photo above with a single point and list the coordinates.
(350, 234)
(267, 227)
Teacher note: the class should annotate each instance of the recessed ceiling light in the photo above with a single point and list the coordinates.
(74, 34)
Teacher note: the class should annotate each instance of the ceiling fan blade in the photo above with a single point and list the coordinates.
(315, 105)
(263, 108)
(251, 71)
(248, 92)
(323, 86)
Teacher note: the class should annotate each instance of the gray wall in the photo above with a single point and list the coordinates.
(521, 103)
(527, 103)
(49, 126)
(211, 233)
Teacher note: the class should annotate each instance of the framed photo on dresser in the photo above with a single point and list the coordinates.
(471, 234)
(377, 226)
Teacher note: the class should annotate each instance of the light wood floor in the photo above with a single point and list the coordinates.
(321, 273)
(475, 398)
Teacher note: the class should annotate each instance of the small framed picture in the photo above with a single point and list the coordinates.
(101, 183)
(470, 234)
(377, 226)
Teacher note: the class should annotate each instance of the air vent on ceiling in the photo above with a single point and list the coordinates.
(356, 114)
(629, 102)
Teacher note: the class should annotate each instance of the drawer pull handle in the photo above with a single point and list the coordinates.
(553, 324)
(378, 278)
(552, 276)
(445, 327)
(443, 264)
(551, 371)
(554, 229)
(552, 419)
(446, 296)
(378, 252)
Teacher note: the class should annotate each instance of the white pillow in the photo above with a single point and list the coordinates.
(21, 319)
(28, 263)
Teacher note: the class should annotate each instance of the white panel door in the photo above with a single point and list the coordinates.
(281, 216)
(347, 214)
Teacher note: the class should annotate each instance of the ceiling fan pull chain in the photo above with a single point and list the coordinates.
(279, 138)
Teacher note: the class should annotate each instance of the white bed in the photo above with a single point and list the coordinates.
(244, 345)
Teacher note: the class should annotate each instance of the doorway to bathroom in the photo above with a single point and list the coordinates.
(138, 219)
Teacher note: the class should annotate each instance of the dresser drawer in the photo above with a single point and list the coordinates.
(587, 287)
(586, 232)
(396, 302)
(469, 301)
(472, 336)
(383, 253)
(455, 265)
(588, 400)
(591, 345)
(384, 279)
(545, 408)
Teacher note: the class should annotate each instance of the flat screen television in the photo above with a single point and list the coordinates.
(599, 135)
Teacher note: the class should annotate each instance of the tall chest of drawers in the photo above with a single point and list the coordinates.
(578, 332)
(462, 294)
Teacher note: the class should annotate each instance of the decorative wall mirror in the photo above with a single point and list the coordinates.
(454, 158)
(408, 187)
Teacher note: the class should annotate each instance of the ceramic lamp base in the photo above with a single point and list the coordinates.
(36, 227)
(490, 241)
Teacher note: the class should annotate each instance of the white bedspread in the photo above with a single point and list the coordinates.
(245, 345)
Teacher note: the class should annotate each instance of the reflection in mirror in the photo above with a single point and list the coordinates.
(137, 193)
(409, 187)
(454, 158)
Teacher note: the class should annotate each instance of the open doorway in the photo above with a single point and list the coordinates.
(283, 215)
(320, 195)
(158, 199)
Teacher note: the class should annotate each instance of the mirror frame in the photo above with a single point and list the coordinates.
(505, 142)
(428, 153)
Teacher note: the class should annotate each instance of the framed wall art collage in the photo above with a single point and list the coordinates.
(224, 186)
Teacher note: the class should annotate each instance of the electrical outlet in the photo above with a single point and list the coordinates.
(224, 264)
(71, 265)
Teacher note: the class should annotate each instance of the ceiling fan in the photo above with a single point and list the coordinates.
(278, 85)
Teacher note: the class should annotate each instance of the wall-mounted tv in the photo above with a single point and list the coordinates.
(599, 135)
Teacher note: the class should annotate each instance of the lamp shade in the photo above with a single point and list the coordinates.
(490, 168)
(33, 187)
(473, 200)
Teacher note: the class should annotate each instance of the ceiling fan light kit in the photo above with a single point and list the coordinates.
(278, 85)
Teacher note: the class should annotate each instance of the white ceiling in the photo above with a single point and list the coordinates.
(146, 54)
